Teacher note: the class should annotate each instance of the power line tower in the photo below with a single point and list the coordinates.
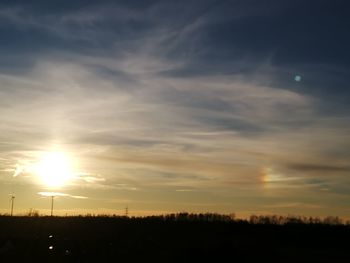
(126, 211)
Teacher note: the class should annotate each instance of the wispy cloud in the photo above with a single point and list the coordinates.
(55, 194)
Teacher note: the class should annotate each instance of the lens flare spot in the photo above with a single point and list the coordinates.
(297, 78)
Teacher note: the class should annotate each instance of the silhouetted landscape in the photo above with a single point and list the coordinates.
(183, 107)
(173, 238)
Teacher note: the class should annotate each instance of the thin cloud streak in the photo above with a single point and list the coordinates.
(55, 194)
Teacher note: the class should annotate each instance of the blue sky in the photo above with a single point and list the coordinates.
(221, 106)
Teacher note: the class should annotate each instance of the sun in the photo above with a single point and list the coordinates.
(54, 169)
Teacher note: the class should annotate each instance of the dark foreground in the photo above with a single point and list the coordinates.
(104, 239)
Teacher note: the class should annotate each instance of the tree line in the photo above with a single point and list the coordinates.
(216, 217)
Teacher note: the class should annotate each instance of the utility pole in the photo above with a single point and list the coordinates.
(52, 197)
(12, 202)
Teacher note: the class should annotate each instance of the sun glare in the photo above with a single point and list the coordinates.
(54, 169)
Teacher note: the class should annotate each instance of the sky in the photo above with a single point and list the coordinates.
(226, 106)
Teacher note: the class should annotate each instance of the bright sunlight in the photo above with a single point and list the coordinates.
(54, 169)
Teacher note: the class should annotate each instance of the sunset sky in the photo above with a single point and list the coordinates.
(169, 106)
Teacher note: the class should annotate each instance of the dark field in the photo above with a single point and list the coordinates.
(119, 239)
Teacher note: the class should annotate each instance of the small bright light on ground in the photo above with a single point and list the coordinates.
(50, 247)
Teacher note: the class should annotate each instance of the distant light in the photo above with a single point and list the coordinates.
(50, 236)
(67, 252)
(50, 247)
(297, 78)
